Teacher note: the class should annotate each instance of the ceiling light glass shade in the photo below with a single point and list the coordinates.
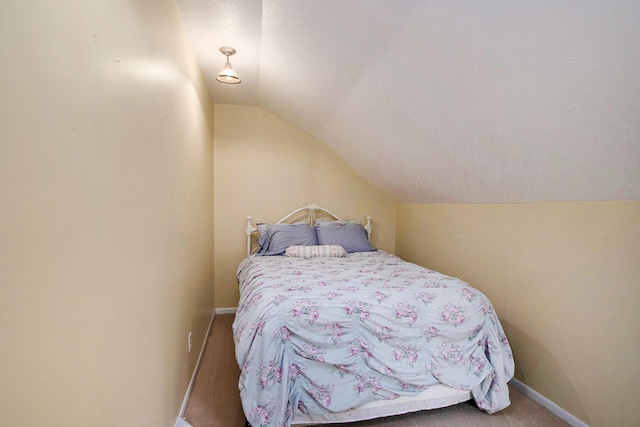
(228, 75)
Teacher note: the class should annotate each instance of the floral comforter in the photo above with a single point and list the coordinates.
(330, 334)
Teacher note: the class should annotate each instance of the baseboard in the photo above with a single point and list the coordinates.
(228, 310)
(180, 421)
(552, 407)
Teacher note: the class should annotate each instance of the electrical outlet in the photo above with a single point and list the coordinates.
(189, 341)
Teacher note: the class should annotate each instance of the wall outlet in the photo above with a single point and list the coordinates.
(189, 341)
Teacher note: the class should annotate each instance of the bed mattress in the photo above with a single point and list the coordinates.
(323, 336)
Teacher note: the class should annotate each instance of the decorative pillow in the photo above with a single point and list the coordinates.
(350, 235)
(315, 251)
(279, 237)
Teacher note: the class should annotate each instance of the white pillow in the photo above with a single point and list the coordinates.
(315, 251)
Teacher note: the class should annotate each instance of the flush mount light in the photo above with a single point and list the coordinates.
(228, 75)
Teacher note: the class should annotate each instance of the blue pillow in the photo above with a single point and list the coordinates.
(280, 236)
(351, 236)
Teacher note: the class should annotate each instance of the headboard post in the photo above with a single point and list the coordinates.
(368, 227)
(249, 230)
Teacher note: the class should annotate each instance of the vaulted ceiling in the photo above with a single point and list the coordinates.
(444, 101)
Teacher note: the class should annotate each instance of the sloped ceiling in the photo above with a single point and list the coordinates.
(445, 101)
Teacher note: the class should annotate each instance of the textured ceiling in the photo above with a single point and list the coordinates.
(445, 101)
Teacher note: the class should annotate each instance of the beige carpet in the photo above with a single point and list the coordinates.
(522, 412)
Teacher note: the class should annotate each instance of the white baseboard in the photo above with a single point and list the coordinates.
(552, 407)
(228, 310)
(180, 421)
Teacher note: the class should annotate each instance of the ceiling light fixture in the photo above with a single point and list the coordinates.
(228, 75)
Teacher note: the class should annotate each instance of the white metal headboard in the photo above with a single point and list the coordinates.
(312, 208)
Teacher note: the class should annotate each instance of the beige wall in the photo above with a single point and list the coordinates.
(106, 212)
(107, 233)
(564, 279)
(266, 168)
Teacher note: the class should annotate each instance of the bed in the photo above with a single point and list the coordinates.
(329, 329)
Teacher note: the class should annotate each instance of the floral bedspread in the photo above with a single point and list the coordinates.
(330, 334)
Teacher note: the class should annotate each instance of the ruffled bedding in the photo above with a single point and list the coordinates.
(330, 334)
